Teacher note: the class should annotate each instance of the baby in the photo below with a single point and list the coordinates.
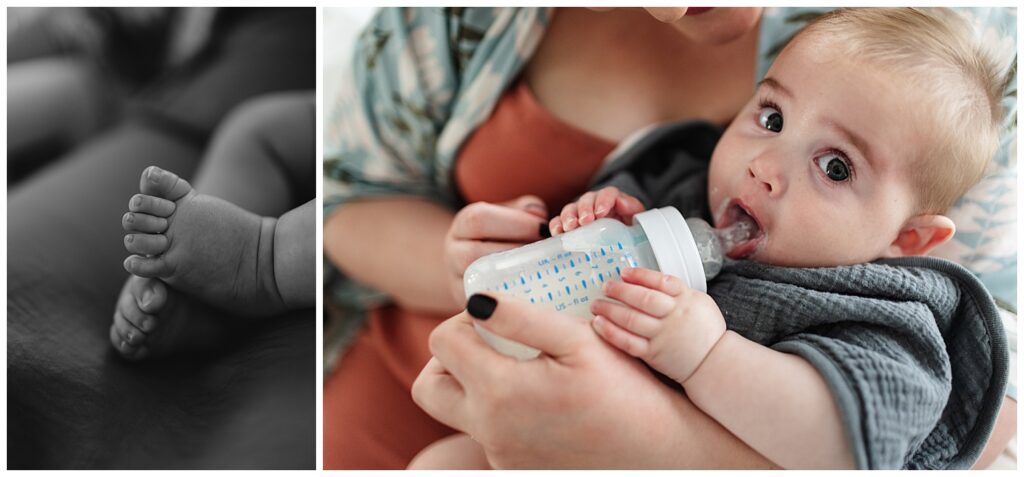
(867, 127)
(209, 249)
(192, 252)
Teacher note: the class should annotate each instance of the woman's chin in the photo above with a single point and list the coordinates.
(719, 26)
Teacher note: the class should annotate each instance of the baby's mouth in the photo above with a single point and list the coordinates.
(739, 231)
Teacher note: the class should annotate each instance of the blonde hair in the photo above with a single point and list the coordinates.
(943, 57)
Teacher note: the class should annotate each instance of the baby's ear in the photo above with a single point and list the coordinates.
(920, 234)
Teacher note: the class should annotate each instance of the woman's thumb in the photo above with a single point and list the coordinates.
(530, 204)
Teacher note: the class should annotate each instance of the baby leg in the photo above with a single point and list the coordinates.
(457, 452)
(263, 158)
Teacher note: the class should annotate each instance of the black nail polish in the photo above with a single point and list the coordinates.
(545, 231)
(481, 307)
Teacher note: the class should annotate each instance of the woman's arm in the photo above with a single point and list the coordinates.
(416, 250)
(581, 404)
(395, 245)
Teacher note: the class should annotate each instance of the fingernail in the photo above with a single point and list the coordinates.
(131, 336)
(129, 238)
(599, 211)
(481, 307)
(534, 205)
(147, 297)
(154, 174)
(124, 346)
(138, 202)
(545, 231)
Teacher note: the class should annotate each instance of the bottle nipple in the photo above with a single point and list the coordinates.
(736, 233)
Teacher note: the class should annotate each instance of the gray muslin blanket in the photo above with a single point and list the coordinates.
(912, 348)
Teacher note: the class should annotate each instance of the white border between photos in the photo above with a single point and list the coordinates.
(318, 366)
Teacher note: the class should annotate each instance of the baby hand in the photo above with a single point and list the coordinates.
(660, 320)
(607, 202)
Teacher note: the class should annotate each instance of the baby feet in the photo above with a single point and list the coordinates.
(151, 320)
(201, 246)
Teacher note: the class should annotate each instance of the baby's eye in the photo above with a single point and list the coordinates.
(771, 119)
(834, 166)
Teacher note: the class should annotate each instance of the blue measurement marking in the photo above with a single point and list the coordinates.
(620, 245)
(600, 277)
(556, 268)
(584, 284)
(587, 256)
(522, 280)
(617, 271)
(531, 300)
(505, 285)
(567, 289)
(571, 264)
(602, 251)
(550, 297)
(538, 275)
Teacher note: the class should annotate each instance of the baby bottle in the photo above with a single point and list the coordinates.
(566, 272)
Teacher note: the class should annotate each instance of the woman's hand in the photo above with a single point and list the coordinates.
(482, 228)
(581, 404)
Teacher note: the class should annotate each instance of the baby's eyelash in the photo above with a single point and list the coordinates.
(765, 102)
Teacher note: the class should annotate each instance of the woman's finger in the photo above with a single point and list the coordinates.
(461, 351)
(628, 318)
(530, 204)
(585, 208)
(652, 302)
(556, 334)
(663, 282)
(497, 223)
(464, 252)
(440, 395)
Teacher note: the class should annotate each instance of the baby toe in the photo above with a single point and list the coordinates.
(158, 182)
(150, 296)
(128, 337)
(140, 222)
(129, 309)
(147, 267)
(146, 244)
(151, 205)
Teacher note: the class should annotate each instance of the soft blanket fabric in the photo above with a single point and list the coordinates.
(912, 348)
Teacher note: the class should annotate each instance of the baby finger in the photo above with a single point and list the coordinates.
(652, 302)
(585, 208)
(628, 318)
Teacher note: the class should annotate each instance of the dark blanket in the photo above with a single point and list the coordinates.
(71, 401)
(913, 349)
